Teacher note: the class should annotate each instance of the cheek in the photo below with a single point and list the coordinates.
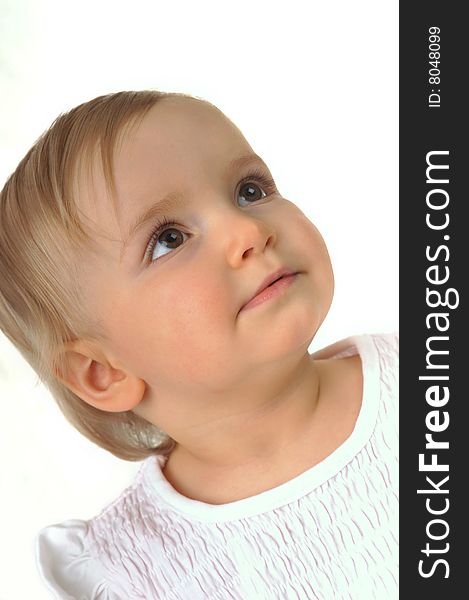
(308, 241)
(310, 245)
(178, 327)
(195, 300)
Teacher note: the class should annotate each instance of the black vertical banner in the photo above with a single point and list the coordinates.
(434, 259)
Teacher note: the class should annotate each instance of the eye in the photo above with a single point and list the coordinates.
(167, 236)
(253, 186)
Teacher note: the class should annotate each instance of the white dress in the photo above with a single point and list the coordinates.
(330, 533)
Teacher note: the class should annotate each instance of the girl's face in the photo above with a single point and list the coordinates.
(170, 298)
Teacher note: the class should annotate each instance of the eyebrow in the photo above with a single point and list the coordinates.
(174, 199)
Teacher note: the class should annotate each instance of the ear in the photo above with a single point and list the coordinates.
(92, 376)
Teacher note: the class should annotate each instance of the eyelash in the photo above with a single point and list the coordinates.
(256, 175)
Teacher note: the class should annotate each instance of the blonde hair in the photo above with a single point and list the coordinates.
(41, 236)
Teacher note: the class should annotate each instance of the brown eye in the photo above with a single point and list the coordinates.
(250, 192)
(171, 238)
(255, 186)
(166, 237)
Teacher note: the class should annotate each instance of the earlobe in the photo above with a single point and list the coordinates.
(90, 375)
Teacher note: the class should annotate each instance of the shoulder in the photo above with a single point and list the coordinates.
(65, 564)
(387, 343)
(77, 559)
(387, 347)
(74, 556)
(379, 354)
(344, 346)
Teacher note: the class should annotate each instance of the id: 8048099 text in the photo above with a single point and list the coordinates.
(434, 97)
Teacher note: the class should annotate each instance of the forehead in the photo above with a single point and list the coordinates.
(179, 131)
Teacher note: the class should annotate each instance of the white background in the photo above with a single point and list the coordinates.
(314, 88)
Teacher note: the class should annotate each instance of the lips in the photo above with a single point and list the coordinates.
(278, 274)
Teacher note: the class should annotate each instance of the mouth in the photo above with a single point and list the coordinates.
(269, 281)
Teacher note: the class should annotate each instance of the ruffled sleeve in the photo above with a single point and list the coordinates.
(65, 564)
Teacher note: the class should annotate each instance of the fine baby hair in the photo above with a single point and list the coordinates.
(41, 305)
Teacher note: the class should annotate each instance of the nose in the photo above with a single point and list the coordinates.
(248, 235)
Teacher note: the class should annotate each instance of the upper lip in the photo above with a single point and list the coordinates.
(282, 272)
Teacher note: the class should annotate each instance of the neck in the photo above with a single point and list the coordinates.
(257, 435)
